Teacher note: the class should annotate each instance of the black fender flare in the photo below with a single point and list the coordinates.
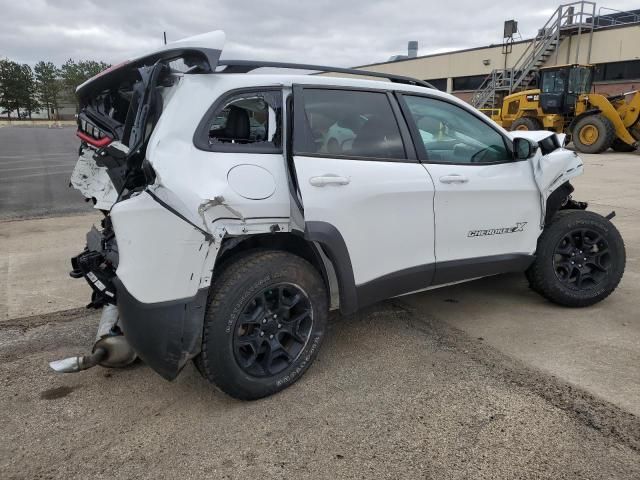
(556, 199)
(334, 246)
(560, 199)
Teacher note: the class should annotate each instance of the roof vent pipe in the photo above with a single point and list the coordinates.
(412, 49)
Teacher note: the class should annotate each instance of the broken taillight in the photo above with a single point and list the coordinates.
(91, 134)
(95, 142)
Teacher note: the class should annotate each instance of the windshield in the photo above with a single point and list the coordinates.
(580, 80)
(554, 81)
(575, 80)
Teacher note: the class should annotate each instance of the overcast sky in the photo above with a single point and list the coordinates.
(341, 33)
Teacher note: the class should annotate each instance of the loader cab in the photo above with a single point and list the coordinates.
(561, 86)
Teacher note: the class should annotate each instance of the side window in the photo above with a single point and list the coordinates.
(350, 124)
(245, 122)
(450, 134)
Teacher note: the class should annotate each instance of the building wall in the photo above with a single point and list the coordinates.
(614, 44)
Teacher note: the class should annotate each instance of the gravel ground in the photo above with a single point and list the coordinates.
(395, 393)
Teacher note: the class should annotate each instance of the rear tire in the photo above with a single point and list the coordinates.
(619, 146)
(580, 259)
(265, 321)
(593, 134)
(527, 123)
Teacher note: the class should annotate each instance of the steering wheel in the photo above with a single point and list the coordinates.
(482, 153)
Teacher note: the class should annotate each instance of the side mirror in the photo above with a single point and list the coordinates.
(523, 148)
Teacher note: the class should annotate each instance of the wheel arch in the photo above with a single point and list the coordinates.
(323, 252)
(560, 199)
(556, 200)
(572, 124)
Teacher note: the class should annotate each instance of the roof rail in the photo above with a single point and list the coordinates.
(244, 66)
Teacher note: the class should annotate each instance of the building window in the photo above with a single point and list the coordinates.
(607, 72)
(471, 82)
(439, 83)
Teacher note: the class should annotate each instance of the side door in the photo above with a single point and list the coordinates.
(487, 205)
(365, 197)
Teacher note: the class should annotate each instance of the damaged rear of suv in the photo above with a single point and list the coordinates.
(235, 218)
(120, 109)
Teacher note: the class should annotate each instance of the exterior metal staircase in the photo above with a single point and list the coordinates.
(569, 19)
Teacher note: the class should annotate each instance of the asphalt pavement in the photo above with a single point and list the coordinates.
(35, 166)
(394, 394)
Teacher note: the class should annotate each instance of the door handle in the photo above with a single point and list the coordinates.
(328, 179)
(455, 178)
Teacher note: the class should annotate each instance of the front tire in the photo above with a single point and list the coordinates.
(580, 259)
(264, 324)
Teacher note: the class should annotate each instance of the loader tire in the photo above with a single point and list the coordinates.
(619, 146)
(580, 259)
(526, 123)
(593, 134)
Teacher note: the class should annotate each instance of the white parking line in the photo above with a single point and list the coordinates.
(37, 167)
(46, 174)
(37, 159)
(61, 154)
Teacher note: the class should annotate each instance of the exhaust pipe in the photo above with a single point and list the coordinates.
(109, 350)
(75, 364)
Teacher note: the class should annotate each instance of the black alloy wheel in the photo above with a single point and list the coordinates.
(579, 260)
(266, 317)
(272, 330)
(582, 259)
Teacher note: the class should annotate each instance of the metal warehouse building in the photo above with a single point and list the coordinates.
(575, 33)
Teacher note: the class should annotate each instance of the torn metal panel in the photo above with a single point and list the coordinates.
(252, 226)
(552, 166)
(93, 181)
(217, 201)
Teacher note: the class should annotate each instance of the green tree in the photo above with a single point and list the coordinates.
(28, 96)
(10, 89)
(48, 85)
(75, 73)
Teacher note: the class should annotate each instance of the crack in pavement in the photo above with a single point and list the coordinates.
(596, 413)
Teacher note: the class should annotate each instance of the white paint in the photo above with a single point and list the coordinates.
(556, 168)
(551, 170)
(494, 196)
(251, 182)
(161, 256)
(384, 213)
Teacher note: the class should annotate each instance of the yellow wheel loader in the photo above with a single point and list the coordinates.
(564, 104)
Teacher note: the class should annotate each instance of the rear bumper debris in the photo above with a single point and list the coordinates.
(165, 334)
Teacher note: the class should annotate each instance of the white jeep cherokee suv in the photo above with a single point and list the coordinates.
(231, 228)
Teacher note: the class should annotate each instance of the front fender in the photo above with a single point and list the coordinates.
(555, 168)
